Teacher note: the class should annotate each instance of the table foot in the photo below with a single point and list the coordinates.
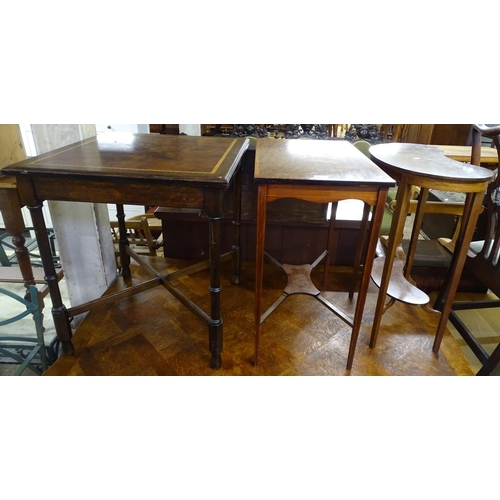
(215, 343)
(63, 329)
(125, 272)
(216, 362)
(236, 260)
(67, 348)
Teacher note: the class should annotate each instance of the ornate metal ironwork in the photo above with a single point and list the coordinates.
(311, 131)
(22, 349)
(495, 192)
(249, 130)
(369, 133)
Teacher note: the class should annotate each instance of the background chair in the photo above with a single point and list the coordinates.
(139, 236)
(27, 350)
(8, 249)
(10, 266)
(484, 257)
(155, 226)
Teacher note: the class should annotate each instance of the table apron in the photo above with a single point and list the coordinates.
(459, 186)
(131, 192)
(324, 194)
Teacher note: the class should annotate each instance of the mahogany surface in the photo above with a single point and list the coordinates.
(321, 172)
(145, 169)
(141, 169)
(317, 163)
(303, 338)
(430, 166)
(427, 167)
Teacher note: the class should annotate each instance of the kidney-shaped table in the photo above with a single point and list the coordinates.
(428, 168)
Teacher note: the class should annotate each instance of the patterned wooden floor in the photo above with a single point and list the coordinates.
(153, 334)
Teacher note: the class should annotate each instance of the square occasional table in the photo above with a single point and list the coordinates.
(139, 169)
(322, 172)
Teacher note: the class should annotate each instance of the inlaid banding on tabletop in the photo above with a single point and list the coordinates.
(187, 172)
(197, 169)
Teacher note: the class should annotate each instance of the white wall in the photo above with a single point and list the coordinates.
(133, 128)
(82, 229)
(190, 129)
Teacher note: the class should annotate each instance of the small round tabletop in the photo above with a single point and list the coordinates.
(427, 162)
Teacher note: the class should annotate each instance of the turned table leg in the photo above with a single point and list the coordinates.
(59, 311)
(213, 208)
(123, 242)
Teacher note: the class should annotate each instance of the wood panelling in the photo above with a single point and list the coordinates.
(444, 134)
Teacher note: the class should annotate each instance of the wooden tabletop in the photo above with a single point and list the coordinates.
(315, 162)
(175, 159)
(426, 161)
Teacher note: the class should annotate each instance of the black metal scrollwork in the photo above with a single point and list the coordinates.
(311, 131)
(294, 131)
(369, 133)
(249, 130)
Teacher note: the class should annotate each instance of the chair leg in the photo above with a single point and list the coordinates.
(359, 249)
(329, 244)
(492, 363)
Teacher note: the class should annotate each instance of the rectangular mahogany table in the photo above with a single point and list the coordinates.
(321, 172)
(139, 169)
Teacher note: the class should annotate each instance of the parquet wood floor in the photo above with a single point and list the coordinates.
(154, 334)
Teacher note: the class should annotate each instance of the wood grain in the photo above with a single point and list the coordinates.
(153, 334)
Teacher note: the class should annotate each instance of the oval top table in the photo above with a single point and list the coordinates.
(427, 167)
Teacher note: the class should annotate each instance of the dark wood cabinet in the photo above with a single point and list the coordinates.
(164, 129)
(443, 134)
